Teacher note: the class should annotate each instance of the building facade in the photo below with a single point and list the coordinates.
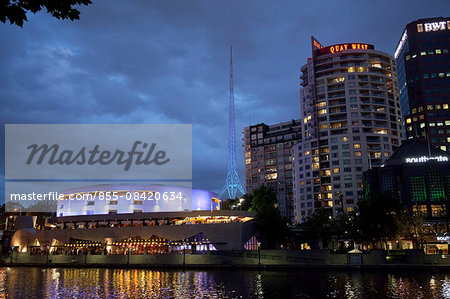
(268, 160)
(419, 177)
(134, 198)
(350, 113)
(423, 62)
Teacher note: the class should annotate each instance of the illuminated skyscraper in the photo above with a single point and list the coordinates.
(423, 61)
(350, 112)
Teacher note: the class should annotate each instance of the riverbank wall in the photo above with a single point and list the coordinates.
(243, 259)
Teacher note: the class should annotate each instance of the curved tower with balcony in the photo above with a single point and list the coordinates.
(351, 121)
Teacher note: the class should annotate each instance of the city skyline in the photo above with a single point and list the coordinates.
(102, 69)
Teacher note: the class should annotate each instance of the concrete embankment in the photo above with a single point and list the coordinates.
(273, 259)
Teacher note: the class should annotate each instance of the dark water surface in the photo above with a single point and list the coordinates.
(225, 283)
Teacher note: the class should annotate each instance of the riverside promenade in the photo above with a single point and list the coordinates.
(242, 259)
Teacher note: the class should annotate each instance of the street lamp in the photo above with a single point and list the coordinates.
(48, 251)
(259, 254)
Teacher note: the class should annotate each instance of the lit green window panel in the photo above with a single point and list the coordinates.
(417, 188)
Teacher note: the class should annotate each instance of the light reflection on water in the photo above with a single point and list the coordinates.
(220, 283)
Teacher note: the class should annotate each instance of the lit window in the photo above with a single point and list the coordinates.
(423, 53)
(445, 106)
(438, 51)
(358, 154)
(322, 111)
(441, 75)
(439, 124)
(447, 122)
(380, 131)
(271, 176)
(422, 125)
(429, 107)
(414, 111)
(431, 124)
(420, 109)
(408, 57)
(307, 153)
(408, 120)
(421, 116)
(356, 145)
(336, 170)
(345, 138)
(386, 154)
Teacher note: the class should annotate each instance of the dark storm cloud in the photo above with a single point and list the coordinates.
(167, 62)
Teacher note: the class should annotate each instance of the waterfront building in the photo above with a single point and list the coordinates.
(350, 113)
(132, 198)
(419, 177)
(423, 66)
(138, 219)
(268, 160)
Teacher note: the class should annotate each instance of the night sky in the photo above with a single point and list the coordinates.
(168, 62)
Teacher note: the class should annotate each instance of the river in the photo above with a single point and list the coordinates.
(220, 283)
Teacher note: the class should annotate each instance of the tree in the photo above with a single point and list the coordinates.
(15, 11)
(272, 226)
(317, 228)
(377, 219)
(411, 227)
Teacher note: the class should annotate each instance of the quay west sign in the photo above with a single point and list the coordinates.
(342, 47)
(425, 159)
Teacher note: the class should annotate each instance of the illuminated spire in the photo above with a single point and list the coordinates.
(232, 184)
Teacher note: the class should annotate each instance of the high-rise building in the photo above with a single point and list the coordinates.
(423, 62)
(268, 160)
(350, 112)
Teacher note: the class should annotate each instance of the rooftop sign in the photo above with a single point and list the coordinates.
(401, 44)
(433, 26)
(342, 47)
(425, 159)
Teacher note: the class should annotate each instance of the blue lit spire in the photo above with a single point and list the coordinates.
(232, 184)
